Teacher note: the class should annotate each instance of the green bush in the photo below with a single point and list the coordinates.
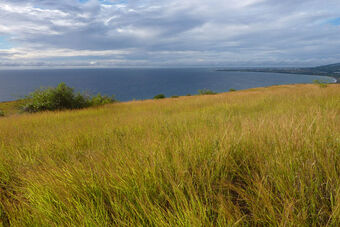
(60, 98)
(101, 100)
(321, 83)
(174, 96)
(232, 89)
(159, 96)
(206, 92)
(2, 114)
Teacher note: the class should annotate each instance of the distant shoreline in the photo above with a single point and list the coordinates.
(336, 80)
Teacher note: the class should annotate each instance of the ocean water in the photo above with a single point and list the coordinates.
(129, 84)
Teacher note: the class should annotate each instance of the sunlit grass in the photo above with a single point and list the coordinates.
(262, 156)
(10, 108)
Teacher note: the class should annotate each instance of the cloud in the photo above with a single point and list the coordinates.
(117, 33)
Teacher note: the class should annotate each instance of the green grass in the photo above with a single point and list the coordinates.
(265, 156)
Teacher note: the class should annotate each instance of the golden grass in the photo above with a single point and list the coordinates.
(265, 156)
(10, 108)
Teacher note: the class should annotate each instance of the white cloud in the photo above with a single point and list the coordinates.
(26, 53)
(169, 32)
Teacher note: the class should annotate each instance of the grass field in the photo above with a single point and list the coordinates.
(11, 108)
(265, 156)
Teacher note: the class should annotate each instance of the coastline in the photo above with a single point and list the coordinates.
(13, 107)
(336, 79)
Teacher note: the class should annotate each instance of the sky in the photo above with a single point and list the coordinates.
(168, 33)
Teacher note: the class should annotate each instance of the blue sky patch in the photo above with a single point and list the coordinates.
(335, 21)
(4, 44)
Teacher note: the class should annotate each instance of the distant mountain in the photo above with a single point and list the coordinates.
(332, 70)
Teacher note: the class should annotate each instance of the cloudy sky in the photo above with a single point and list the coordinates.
(168, 33)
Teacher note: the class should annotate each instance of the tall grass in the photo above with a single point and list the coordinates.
(268, 156)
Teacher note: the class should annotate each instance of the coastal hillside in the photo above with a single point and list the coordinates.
(332, 70)
(264, 156)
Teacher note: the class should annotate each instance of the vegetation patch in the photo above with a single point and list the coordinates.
(257, 157)
(320, 83)
(159, 96)
(206, 92)
(60, 98)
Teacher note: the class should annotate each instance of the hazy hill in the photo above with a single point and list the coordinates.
(332, 70)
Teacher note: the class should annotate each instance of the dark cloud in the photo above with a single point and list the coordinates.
(169, 32)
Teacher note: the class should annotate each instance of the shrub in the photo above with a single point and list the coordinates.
(159, 96)
(206, 92)
(321, 83)
(101, 100)
(232, 89)
(60, 98)
(188, 94)
(174, 96)
(2, 114)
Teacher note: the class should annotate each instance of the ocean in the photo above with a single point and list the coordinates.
(138, 84)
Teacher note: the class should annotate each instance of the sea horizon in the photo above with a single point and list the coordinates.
(141, 83)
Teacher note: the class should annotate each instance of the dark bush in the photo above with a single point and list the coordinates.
(160, 96)
(206, 92)
(174, 96)
(232, 89)
(60, 98)
(2, 114)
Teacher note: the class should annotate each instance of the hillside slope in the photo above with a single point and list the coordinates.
(260, 156)
(332, 70)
